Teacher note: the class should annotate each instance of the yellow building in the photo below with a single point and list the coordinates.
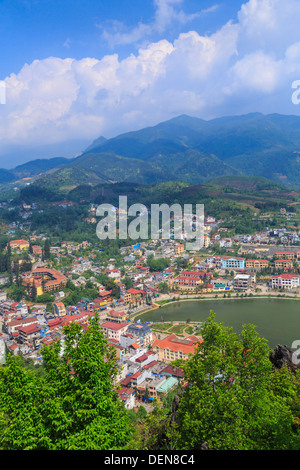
(284, 255)
(60, 309)
(257, 264)
(173, 347)
(19, 244)
(179, 248)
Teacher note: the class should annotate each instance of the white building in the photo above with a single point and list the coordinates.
(285, 281)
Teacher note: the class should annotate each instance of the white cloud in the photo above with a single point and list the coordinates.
(234, 70)
(166, 13)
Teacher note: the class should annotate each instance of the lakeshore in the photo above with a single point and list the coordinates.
(278, 322)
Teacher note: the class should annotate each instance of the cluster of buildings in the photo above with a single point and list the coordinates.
(143, 359)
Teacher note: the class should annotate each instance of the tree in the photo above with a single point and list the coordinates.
(128, 282)
(159, 264)
(33, 292)
(231, 401)
(46, 250)
(74, 406)
(163, 287)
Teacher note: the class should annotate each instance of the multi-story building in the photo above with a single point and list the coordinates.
(285, 281)
(242, 282)
(19, 244)
(29, 333)
(59, 309)
(257, 264)
(50, 279)
(172, 347)
(135, 294)
(283, 264)
(284, 255)
(114, 330)
(192, 279)
(10, 326)
(117, 317)
(179, 248)
(228, 262)
(141, 331)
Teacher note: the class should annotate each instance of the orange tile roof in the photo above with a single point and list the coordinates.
(172, 342)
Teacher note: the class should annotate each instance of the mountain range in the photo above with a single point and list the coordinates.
(185, 148)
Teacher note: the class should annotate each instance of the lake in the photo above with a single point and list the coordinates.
(277, 320)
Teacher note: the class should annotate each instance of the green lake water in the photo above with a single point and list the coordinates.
(277, 320)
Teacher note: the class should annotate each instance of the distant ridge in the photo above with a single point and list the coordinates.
(184, 148)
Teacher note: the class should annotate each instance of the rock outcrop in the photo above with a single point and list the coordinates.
(283, 355)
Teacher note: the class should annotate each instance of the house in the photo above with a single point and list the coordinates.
(114, 273)
(142, 331)
(114, 330)
(3, 295)
(37, 250)
(126, 396)
(10, 326)
(59, 309)
(135, 294)
(127, 340)
(104, 295)
(114, 316)
(171, 371)
(29, 333)
(179, 249)
(119, 350)
(18, 245)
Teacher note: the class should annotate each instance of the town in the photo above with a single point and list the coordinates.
(48, 285)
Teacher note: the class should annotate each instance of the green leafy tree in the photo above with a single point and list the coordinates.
(163, 287)
(74, 406)
(46, 250)
(159, 264)
(231, 401)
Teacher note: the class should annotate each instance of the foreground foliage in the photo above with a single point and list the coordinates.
(73, 407)
(232, 397)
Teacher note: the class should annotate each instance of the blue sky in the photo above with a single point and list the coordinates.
(37, 29)
(74, 69)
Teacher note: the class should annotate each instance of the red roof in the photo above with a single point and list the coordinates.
(29, 329)
(54, 322)
(134, 291)
(150, 364)
(173, 371)
(114, 313)
(142, 358)
(125, 391)
(135, 376)
(114, 326)
(126, 381)
(286, 276)
(172, 342)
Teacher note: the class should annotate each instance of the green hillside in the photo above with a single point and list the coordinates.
(193, 150)
(185, 149)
